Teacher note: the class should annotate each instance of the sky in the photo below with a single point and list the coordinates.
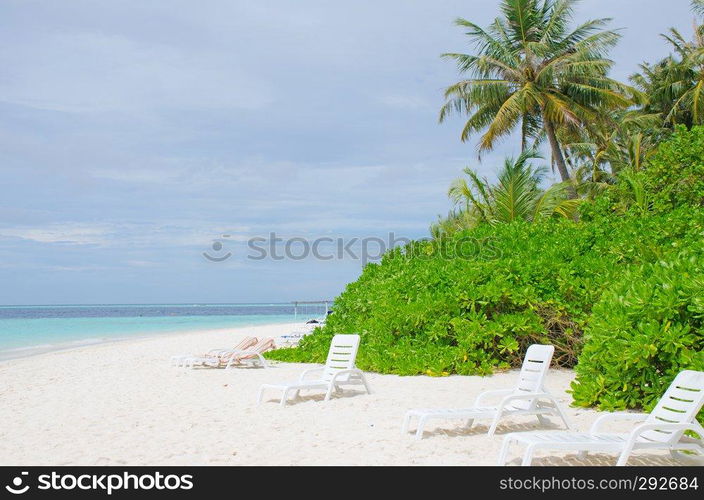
(149, 148)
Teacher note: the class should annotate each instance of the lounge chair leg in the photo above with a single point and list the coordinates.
(623, 457)
(366, 385)
(582, 454)
(284, 397)
(543, 421)
(494, 424)
(504, 450)
(563, 416)
(406, 423)
(469, 423)
(296, 393)
(528, 455)
(421, 427)
(329, 392)
(260, 395)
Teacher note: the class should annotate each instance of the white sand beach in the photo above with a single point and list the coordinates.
(121, 403)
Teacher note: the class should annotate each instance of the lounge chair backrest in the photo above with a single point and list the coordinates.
(680, 404)
(265, 344)
(536, 364)
(262, 346)
(341, 356)
(225, 354)
(245, 343)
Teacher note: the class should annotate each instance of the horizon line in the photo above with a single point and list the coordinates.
(291, 303)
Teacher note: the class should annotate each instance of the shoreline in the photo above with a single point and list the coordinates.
(40, 350)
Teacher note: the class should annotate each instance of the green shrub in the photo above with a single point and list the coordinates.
(676, 170)
(646, 328)
(673, 178)
(424, 309)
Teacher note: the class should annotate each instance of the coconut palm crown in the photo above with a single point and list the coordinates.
(532, 70)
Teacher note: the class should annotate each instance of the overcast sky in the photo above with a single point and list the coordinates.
(134, 134)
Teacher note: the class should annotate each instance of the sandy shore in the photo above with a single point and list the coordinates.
(121, 403)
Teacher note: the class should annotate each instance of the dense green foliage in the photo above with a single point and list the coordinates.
(676, 171)
(646, 328)
(672, 177)
(426, 309)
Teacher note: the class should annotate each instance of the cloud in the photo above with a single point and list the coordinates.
(75, 234)
(92, 72)
(125, 235)
(135, 133)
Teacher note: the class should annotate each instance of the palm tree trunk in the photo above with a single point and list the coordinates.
(558, 156)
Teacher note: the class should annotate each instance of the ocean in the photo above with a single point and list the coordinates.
(28, 330)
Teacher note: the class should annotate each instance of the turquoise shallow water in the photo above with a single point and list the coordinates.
(27, 330)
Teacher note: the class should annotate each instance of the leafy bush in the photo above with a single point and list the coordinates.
(673, 177)
(430, 308)
(645, 329)
(676, 171)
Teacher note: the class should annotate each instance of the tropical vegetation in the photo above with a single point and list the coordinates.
(607, 264)
(516, 196)
(535, 71)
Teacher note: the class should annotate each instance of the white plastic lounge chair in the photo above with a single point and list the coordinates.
(213, 357)
(662, 428)
(252, 355)
(528, 397)
(339, 369)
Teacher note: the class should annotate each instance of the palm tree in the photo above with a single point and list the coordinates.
(533, 70)
(516, 196)
(614, 142)
(686, 76)
(698, 7)
(675, 85)
(663, 82)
